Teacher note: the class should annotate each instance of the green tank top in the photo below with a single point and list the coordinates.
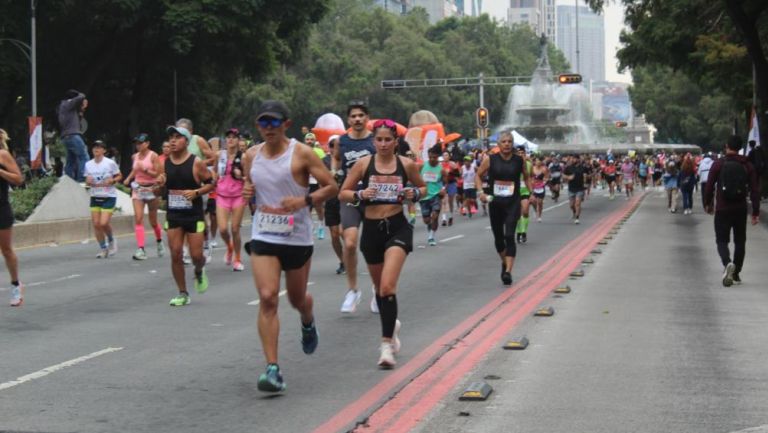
(528, 168)
(432, 177)
(194, 149)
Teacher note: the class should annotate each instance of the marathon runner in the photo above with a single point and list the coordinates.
(468, 172)
(101, 174)
(451, 168)
(144, 192)
(9, 175)
(230, 204)
(278, 173)
(525, 196)
(628, 176)
(504, 170)
(311, 141)
(433, 174)
(187, 180)
(540, 179)
(353, 146)
(333, 207)
(609, 173)
(555, 174)
(387, 236)
(576, 178)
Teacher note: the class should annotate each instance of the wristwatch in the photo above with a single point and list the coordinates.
(308, 199)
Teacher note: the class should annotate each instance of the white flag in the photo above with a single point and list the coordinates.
(754, 130)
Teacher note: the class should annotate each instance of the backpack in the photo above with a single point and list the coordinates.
(733, 181)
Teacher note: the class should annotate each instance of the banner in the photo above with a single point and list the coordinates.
(35, 142)
(754, 130)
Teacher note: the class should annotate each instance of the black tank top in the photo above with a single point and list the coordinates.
(179, 178)
(388, 185)
(3, 190)
(505, 172)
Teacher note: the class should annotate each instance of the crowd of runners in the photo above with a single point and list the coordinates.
(366, 188)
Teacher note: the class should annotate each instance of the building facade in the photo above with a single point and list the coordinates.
(588, 58)
(436, 9)
(526, 12)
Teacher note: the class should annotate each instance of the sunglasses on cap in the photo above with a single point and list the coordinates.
(267, 122)
(386, 123)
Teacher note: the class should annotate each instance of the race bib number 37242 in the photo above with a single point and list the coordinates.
(387, 187)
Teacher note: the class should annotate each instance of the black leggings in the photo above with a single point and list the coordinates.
(504, 216)
(725, 221)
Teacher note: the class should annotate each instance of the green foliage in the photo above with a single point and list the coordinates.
(354, 48)
(24, 201)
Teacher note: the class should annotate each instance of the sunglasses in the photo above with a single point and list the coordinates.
(386, 123)
(266, 123)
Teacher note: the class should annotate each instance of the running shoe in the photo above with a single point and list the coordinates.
(396, 338)
(431, 241)
(180, 300)
(506, 278)
(736, 278)
(213, 244)
(374, 304)
(140, 254)
(160, 249)
(730, 268)
(386, 357)
(271, 380)
(519, 238)
(538, 220)
(112, 247)
(351, 300)
(576, 221)
(17, 298)
(201, 282)
(208, 253)
(524, 237)
(321, 233)
(450, 221)
(228, 257)
(237, 267)
(103, 254)
(309, 338)
(341, 270)
(412, 219)
(186, 258)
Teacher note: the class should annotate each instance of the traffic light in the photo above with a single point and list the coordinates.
(620, 124)
(481, 116)
(569, 78)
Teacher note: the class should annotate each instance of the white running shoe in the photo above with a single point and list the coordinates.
(374, 304)
(186, 258)
(208, 253)
(160, 249)
(140, 254)
(351, 300)
(103, 254)
(387, 357)
(728, 274)
(576, 221)
(112, 247)
(213, 244)
(395, 338)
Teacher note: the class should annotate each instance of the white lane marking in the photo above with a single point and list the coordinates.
(54, 368)
(256, 302)
(40, 283)
(552, 207)
(452, 238)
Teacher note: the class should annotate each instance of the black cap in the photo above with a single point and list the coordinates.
(141, 138)
(274, 109)
(232, 131)
(99, 143)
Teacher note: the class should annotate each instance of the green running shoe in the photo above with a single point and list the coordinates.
(201, 282)
(180, 300)
(271, 380)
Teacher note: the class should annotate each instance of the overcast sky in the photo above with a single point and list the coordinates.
(614, 22)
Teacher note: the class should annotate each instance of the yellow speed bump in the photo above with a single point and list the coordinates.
(476, 391)
(602, 242)
(545, 312)
(563, 289)
(516, 344)
(597, 251)
(608, 237)
(588, 261)
(578, 273)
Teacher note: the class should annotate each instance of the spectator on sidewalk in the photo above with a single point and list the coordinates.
(669, 179)
(70, 113)
(687, 182)
(731, 179)
(704, 166)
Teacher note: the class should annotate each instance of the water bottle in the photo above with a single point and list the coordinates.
(489, 198)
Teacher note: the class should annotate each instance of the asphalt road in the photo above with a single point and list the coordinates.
(96, 348)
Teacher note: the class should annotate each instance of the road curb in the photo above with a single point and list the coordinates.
(29, 235)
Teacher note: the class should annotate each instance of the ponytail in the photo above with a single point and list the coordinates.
(3, 139)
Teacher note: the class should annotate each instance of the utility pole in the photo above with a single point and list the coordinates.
(33, 59)
(578, 67)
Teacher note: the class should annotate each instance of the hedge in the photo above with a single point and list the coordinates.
(24, 201)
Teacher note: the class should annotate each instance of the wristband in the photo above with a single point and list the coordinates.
(416, 194)
(359, 195)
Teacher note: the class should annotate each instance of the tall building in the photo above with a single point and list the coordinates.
(436, 9)
(477, 7)
(549, 18)
(527, 12)
(588, 59)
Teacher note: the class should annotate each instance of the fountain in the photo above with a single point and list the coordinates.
(546, 112)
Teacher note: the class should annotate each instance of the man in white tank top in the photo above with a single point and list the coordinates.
(278, 173)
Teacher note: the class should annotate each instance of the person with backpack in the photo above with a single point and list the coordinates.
(731, 179)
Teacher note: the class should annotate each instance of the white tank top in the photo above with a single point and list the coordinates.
(273, 181)
(468, 175)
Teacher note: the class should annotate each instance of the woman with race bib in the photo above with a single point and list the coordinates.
(230, 204)
(143, 182)
(504, 170)
(387, 236)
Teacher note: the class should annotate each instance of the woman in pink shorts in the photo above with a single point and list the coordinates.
(229, 198)
(143, 181)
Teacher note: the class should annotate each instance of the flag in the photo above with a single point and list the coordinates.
(35, 142)
(754, 130)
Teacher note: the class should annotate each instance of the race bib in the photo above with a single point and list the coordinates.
(268, 223)
(387, 187)
(102, 190)
(429, 176)
(556, 174)
(177, 201)
(538, 190)
(504, 188)
(145, 193)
